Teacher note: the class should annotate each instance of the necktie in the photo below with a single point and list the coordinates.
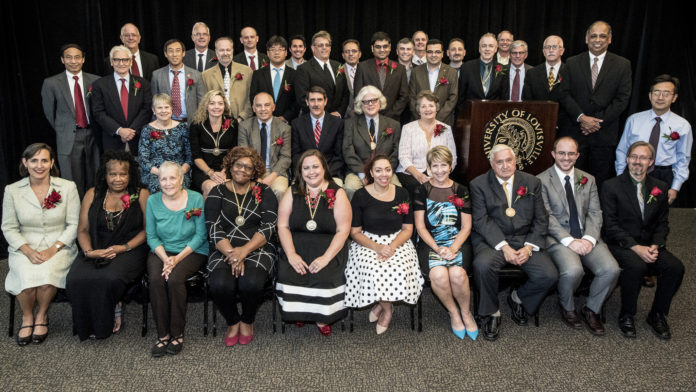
(515, 95)
(507, 194)
(382, 74)
(327, 71)
(654, 140)
(80, 112)
(551, 78)
(200, 63)
(595, 71)
(486, 78)
(264, 143)
(276, 83)
(252, 64)
(176, 95)
(351, 72)
(226, 82)
(641, 200)
(134, 68)
(573, 208)
(124, 98)
(372, 130)
(317, 133)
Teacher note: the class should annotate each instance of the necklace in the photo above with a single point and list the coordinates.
(216, 140)
(311, 223)
(113, 218)
(239, 220)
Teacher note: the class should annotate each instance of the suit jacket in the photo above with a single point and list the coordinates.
(470, 86)
(290, 64)
(606, 101)
(623, 224)
(330, 142)
(194, 93)
(356, 142)
(536, 88)
(250, 135)
(491, 225)
(106, 106)
(241, 59)
(586, 199)
(395, 85)
(286, 104)
(149, 61)
(191, 59)
(311, 74)
(507, 90)
(239, 89)
(59, 107)
(446, 93)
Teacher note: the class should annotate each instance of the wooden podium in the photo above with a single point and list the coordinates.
(529, 127)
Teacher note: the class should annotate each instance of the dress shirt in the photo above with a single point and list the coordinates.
(350, 72)
(136, 58)
(561, 176)
(71, 84)
(413, 146)
(296, 64)
(314, 123)
(328, 64)
(419, 60)
(502, 60)
(555, 70)
(513, 195)
(432, 77)
(117, 79)
(675, 153)
(600, 60)
(182, 88)
(268, 140)
(205, 57)
(511, 79)
(256, 59)
(367, 121)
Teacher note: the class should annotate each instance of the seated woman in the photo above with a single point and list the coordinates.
(364, 136)
(443, 220)
(163, 140)
(418, 137)
(313, 226)
(39, 220)
(175, 227)
(111, 234)
(241, 217)
(213, 133)
(382, 263)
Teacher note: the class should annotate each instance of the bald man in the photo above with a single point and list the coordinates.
(250, 57)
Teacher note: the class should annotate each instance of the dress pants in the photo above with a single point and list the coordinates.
(82, 163)
(597, 160)
(224, 287)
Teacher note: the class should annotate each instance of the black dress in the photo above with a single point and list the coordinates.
(312, 297)
(94, 288)
(203, 139)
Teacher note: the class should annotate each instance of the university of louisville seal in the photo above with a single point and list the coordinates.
(518, 129)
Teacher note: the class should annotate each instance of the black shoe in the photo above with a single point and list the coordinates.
(491, 327)
(659, 325)
(25, 340)
(570, 317)
(519, 315)
(160, 348)
(627, 326)
(38, 339)
(174, 349)
(648, 281)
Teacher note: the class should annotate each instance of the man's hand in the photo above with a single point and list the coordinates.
(126, 134)
(589, 124)
(647, 254)
(581, 246)
(509, 254)
(671, 195)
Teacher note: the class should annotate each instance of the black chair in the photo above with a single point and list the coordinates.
(61, 296)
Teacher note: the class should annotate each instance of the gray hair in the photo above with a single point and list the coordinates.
(498, 148)
(369, 89)
(554, 36)
(517, 44)
(171, 165)
(119, 48)
(161, 97)
(193, 30)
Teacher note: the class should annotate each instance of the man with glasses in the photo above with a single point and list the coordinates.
(278, 80)
(200, 57)
(484, 77)
(144, 63)
(505, 39)
(351, 55)
(517, 71)
(439, 78)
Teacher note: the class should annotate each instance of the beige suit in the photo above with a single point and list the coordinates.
(446, 92)
(239, 88)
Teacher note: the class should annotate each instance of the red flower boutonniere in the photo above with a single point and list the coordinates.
(265, 64)
(439, 129)
(51, 200)
(456, 200)
(127, 199)
(522, 191)
(278, 142)
(581, 182)
(401, 208)
(286, 87)
(226, 124)
(214, 59)
(137, 87)
(341, 70)
(330, 195)
(189, 81)
(558, 81)
(193, 212)
(387, 131)
(672, 136)
(499, 70)
(654, 193)
(442, 82)
(155, 135)
(393, 66)
(89, 90)
(238, 76)
(256, 191)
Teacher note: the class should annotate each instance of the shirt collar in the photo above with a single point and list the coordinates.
(70, 75)
(509, 180)
(562, 175)
(118, 78)
(268, 123)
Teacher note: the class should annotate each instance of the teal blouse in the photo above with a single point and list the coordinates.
(171, 229)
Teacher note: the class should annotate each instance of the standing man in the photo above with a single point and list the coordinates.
(404, 51)
(573, 241)
(517, 71)
(600, 87)
(325, 73)
(438, 78)
(278, 80)
(66, 104)
(505, 39)
(144, 63)
(668, 133)
(297, 51)
(250, 56)
(200, 57)
(456, 53)
(232, 78)
(351, 55)
(185, 85)
(636, 225)
(509, 227)
(121, 103)
(420, 40)
(484, 77)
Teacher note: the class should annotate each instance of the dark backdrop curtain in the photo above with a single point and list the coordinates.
(654, 35)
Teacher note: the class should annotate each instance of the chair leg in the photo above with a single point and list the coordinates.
(413, 318)
(214, 319)
(205, 309)
(10, 327)
(274, 303)
(420, 313)
(145, 299)
(536, 319)
(350, 319)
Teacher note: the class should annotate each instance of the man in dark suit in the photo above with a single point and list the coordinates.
(178, 80)
(200, 57)
(121, 103)
(517, 71)
(387, 75)
(484, 77)
(575, 224)
(66, 104)
(456, 53)
(636, 225)
(144, 63)
(316, 130)
(325, 73)
(278, 80)
(600, 86)
(509, 227)
(351, 55)
(250, 57)
(438, 78)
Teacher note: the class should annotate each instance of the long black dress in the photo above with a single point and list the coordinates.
(94, 289)
(203, 141)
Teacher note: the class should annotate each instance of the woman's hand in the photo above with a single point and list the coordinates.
(298, 264)
(34, 256)
(218, 177)
(108, 253)
(169, 265)
(318, 264)
(422, 178)
(384, 252)
(154, 170)
(46, 254)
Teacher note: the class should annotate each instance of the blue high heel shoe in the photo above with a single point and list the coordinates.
(460, 334)
(471, 334)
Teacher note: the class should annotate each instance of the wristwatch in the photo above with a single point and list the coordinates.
(530, 251)
(128, 248)
(59, 247)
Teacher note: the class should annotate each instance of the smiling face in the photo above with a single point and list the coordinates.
(639, 160)
(565, 155)
(312, 171)
(381, 49)
(201, 38)
(242, 170)
(39, 165)
(249, 39)
(439, 171)
(73, 59)
(553, 50)
(297, 49)
(216, 106)
(518, 55)
(504, 41)
(263, 106)
(117, 175)
(662, 96)
(351, 53)
(487, 48)
(121, 63)
(427, 109)
(382, 172)
(170, 181)
(433, 54)
(130, 36)
(162, 110)
(419, 41)
(277, 55)
(316, 103)
(456, 52)
(321, 48)
(223, 51)
(405, 52)
(175, 54)
(598, 38)
(503, 164)
(370, 105)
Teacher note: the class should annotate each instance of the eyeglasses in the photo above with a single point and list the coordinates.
(241, 166)
(370, 101)
(322, 46)
(552, 47)
(350, 51)
(642, 158)
(517, 53)
(433, 52)
(661, 93)
(276, 50)
(380, 47)
(116, 60)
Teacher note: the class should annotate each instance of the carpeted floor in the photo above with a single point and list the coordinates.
(551, 357)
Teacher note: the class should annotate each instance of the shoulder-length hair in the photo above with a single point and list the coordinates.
(299, 186)
(134, 183)
(367, 169)
(34, 149)
(202, 111)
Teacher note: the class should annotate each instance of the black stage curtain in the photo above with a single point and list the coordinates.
(654, 35)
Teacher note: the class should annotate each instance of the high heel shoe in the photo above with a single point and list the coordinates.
(372, 316)
(325, 330)
(459, 333)
(380, 328)
(472, 334)
(23, 341)
(38, 339)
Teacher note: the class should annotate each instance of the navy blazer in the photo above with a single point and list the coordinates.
(311, 74)
(330, 142)
(286, 105)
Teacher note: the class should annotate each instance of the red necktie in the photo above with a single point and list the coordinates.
(80, 112)
(176, 95)
(515, 95)
(317, 133)
(124, 98)
(252, 64)
(134, 68)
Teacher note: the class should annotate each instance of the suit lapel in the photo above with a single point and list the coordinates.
(275, 134)
(497, 188)
(133, 97)
(65, 89)
(256, 135)
(116, 96)
(381, 130)
(164, 81)
(556, 183)
(586, 70)
(363, 129)
(607, 65)
(630, 193)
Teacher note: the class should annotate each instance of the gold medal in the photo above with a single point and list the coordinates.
(510, 212)
(311, 225)
(239, 220)
(373, 145)
(216, 151)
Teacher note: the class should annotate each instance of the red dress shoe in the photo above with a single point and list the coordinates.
(299, 324)
(325, 330)
(231, 341)
(243, 339)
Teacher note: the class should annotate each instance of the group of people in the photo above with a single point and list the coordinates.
(255, 166)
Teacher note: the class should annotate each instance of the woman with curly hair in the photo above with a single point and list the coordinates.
(241, 217)
(111, 234)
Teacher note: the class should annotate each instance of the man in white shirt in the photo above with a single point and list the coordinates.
(419, 39)
(200, 57)
(351, 55)
(505, 39)
(517, 70)
(250, 56)
(297, 51)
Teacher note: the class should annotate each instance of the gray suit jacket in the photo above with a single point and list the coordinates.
(59, 107)
(191, 59)
(586, 199)
(447, 93)
(250, 135)
(194, 93)
(356, 142)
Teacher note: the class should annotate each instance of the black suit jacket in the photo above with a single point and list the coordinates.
(286, 104)
(149, 61)
(241, 58)
(606, 101)
(470, 86)
(506, 89)
(491, 225)
(191, 59)
(623, 224)
(395, 85)
(107, 111)
(536, 88)
(330, 142)
(310, 74)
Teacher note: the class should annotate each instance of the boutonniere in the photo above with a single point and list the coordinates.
(581, 182)
(265, 64)
(499, 70)
(278, 142)
(214, 59)
(89, 90)
(671, 136)
(155, 135)
(193, 212)
(388, 131)
(330, 195)
(286, 87)
(226, 124)
(137, 87)
(127, 199)
(51, 200)
(442, 82)
(654, 193)
(341, 70)
(401, 208)
(256, 191)
(238, 76)
(522, 191)
(439, 130)
(558, 81)
(189, 81)
(393, 66)
(456, 200)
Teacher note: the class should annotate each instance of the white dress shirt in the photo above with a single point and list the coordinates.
(511, 80)
(71, 84)
(432, 77)
(561, 177)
